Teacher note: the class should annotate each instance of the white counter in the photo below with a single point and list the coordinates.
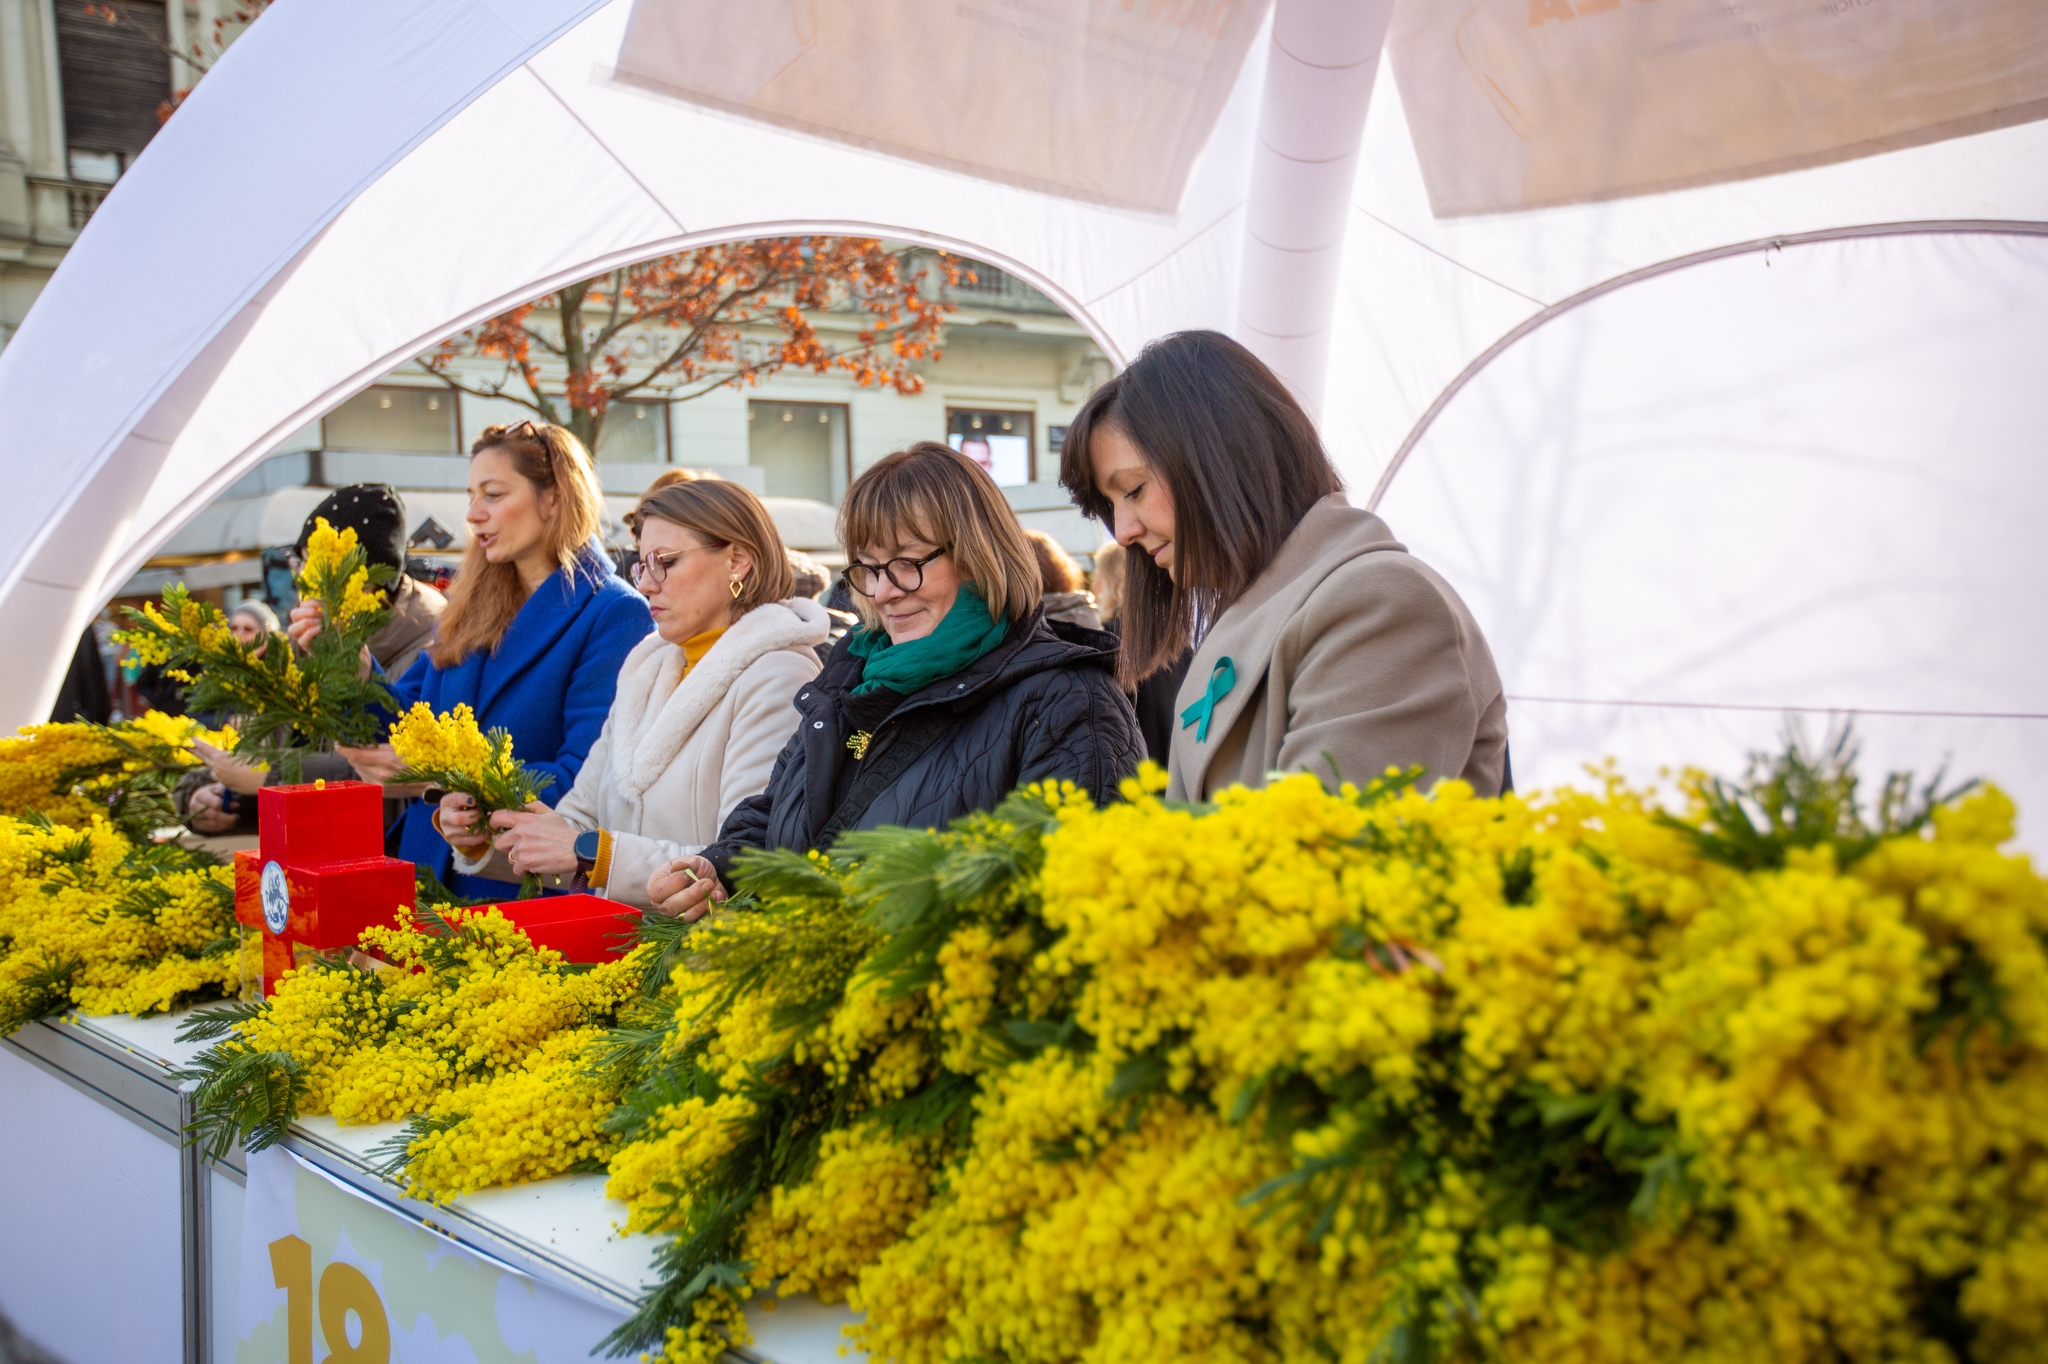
(99, 1151)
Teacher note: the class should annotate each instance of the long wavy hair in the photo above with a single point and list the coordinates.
(486, 596)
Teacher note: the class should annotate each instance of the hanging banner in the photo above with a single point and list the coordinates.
(1102, 100)
(333, 1275)
(1527, 103)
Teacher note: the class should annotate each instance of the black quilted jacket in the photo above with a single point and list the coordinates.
(1043, 703)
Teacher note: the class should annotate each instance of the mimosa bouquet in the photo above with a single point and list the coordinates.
(68, 773)
(324, 696)
(451, 752)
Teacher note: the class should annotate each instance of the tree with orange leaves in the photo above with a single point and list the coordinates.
(572, 348)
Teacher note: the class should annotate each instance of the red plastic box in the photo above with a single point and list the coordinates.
(331, 904)
(334, 821)
(583, 928)
(319, 877)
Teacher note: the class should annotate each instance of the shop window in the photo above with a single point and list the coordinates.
(999, 442)
(800, 448)
(634, 433)
(405, 421)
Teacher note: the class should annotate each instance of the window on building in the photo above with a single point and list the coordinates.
(115, 77)
(404, 421)
(800, 448)
(999, 442)
(634, 433)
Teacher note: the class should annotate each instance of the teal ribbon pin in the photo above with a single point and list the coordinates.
(1221, 679)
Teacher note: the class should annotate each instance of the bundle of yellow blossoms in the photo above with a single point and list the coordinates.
(463, 1025)
(71, 772)
(94, 921)
(1365, 1076)
(452, 752)
(322, 695)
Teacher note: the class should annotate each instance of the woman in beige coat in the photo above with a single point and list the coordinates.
(1328, 646)
(703, 705)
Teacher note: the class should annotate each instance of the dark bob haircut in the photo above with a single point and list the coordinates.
(1239, 457)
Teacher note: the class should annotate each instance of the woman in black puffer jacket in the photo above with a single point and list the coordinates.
(956, 690)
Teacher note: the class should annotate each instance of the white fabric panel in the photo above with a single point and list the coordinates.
(1106, 104)
(91, 1243)
(1388, 339)
(355, 310)
(306, 110)
(719, 174)
(1806, 478)
(192, 232)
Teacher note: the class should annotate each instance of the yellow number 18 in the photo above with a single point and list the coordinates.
(343, 1289)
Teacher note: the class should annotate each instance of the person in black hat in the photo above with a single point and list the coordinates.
(225, 805)
(378, 516)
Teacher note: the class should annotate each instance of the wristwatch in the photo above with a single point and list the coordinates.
(593, 858)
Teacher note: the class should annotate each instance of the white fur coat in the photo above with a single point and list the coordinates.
(680, 750)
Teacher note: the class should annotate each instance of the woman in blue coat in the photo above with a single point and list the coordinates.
(536, 628)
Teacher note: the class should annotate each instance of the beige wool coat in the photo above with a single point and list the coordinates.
(679, 750)
(1349, 653)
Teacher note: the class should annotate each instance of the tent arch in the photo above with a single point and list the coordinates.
(1537, 321)
(255, 453)
(1686, 510)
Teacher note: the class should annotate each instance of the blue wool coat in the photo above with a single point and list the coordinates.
(550, 682)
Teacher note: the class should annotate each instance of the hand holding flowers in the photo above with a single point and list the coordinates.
(321, 694)
(450, 751)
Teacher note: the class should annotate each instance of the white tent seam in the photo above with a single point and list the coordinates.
(591, 133)
(1446, 258)
(1309, 160)
(1801, 710)
(1219, 220)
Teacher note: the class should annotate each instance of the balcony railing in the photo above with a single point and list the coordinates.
(996, 288)
(60, 209)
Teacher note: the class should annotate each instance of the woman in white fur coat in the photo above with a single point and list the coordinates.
(703, 705)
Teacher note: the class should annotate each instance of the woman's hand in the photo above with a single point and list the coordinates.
(458, 824)
(536, 840)
(204, 814)
(686, 889)
(305, 622)
(229, 770)
(378, 763)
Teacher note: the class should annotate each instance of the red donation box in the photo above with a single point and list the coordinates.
(318, 878)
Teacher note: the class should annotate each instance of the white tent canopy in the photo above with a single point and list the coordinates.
(1792, 473)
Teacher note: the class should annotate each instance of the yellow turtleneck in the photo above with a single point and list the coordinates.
(696, 646)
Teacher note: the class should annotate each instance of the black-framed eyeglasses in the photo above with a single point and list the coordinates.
(650, 570)
(907, 574)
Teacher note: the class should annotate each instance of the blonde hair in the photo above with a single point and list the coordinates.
(723, 514)
(935, 494)
(486, 596)
(1109, 580)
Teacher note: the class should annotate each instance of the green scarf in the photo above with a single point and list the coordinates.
(964, 635)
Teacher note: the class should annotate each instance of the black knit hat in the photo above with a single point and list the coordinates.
(376, 513)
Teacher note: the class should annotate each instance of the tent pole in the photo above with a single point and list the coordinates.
(1320, 65)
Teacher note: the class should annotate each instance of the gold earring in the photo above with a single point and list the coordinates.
(737, 588)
